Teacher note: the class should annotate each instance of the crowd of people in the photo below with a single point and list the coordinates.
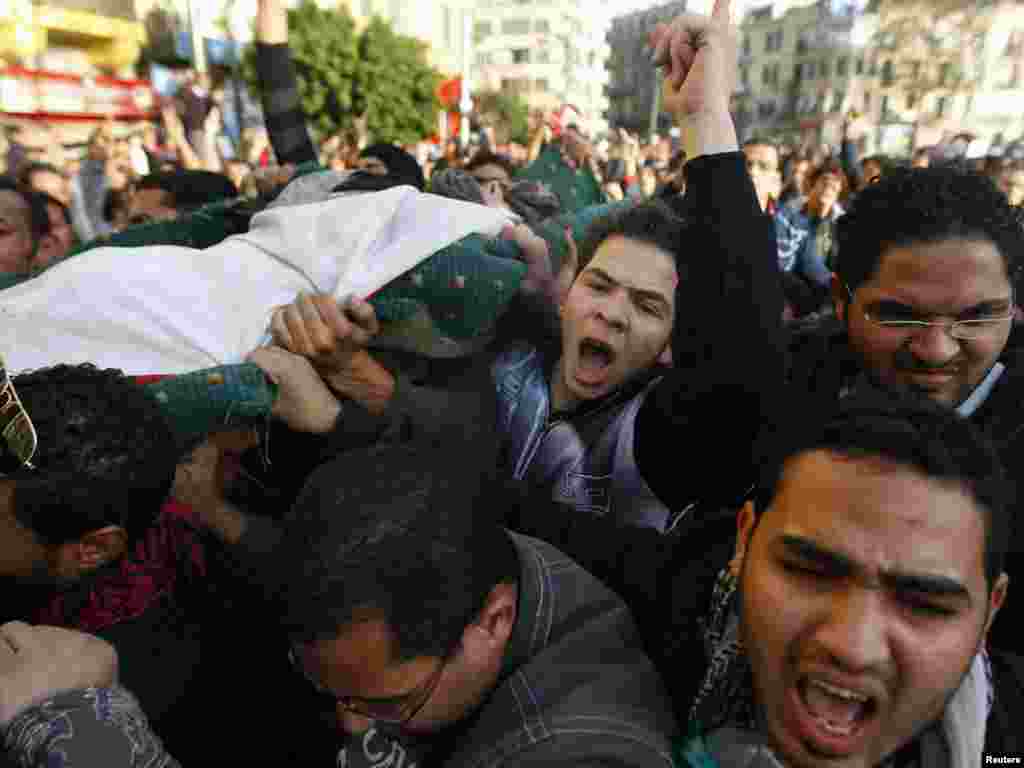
(733, 479)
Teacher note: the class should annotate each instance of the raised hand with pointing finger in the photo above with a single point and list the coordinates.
(698, 58)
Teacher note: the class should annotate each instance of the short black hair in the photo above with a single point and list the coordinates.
(651, 222)
(106, 454)
(407, 534)
(189, 190)
(910, 431)
(924, 205)
(486, 157)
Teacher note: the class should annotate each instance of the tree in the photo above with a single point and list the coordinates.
(508, 113)
(394, 86)
(325, 49)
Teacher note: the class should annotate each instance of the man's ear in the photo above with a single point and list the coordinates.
(840, 298)
(745, 520)
(491, 630)
(91, 552)
(996, 599)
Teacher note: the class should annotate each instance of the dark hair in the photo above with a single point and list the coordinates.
(50, 200)
(106, 454)
(910, 431)
(829, 168)
(651, 222)
(400, 164)
(486, 157)
(115, 200)
(407, 534)
(39, 220)
(924, 205)
(190, 190)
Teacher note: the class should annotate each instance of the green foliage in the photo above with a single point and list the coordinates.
(508, 113)
(395, 87)
(343, 74)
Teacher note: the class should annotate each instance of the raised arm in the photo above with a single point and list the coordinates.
(282, 110)
(727, 341)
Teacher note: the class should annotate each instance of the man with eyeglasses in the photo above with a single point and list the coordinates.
(425, 631)
(925, 265)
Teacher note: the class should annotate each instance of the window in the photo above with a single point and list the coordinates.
(915, 70)
(867, 101)
(745, 76)
(887, 73)
(746, 45)
(841, 64)
(885, 105)
(837, 101)
(542, 26)
(481, 29)
(773, 41)
(809, 69)
(798, 72)
(770, 74)
(520, 55)
(941, 104)
(945, 72)
(823, 69)
(515, 27)
(911, 100)
(860, 66)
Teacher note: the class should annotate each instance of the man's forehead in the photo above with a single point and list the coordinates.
(954, 270)
(880, 513)
(636, 264)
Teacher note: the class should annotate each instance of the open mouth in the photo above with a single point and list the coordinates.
(831, 719)
(595, 359)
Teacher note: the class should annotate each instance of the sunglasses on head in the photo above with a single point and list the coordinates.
(18, 440)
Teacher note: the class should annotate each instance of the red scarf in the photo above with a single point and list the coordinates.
(140, 579)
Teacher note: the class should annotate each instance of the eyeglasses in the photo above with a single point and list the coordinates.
(18, 439)
(394, 710)
(964, 330)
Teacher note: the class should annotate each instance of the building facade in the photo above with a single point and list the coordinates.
(803, 69)
(941, 74)
(549, 52)
(634, 87)
(84, 37)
